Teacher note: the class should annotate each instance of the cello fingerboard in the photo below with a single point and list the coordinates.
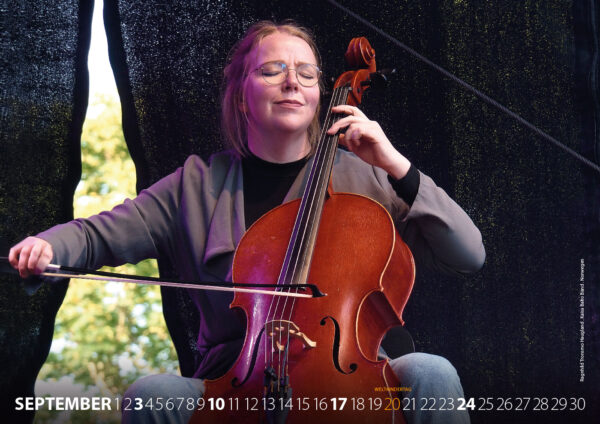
(301, 246)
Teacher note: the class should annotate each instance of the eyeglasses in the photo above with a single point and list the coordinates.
(276, 72)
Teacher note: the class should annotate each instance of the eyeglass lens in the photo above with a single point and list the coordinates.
(276, 73)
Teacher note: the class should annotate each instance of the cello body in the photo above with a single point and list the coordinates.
(316, 359)
(363, 266)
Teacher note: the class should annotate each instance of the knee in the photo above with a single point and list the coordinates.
(145, 387)
(165, 386)
(161, 388)
(419, 366)
(430, 376)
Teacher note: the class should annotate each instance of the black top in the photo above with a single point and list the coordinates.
(267, 183)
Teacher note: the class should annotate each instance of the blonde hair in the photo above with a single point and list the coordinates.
(234, 122)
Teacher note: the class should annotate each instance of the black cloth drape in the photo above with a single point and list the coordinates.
(512, 330)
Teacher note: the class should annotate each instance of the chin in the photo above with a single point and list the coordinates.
(291, 125)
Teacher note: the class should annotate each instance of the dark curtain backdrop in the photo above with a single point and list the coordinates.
(44, 94)
(511, 330)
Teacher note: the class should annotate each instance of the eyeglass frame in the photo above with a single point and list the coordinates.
(286, 70)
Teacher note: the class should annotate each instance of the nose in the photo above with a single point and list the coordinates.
(291, 81)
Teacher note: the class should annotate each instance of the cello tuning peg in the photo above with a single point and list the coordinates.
(381, 78)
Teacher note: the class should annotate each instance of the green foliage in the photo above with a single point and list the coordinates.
(106, 334)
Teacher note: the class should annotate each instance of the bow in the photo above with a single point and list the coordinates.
(89, 274)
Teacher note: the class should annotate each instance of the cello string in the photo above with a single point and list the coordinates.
(306, 206)
(304, 214)
(470, 88)
(312, 195)
(326, 152)
(288, 272)
(292, 255)
(327, 144)
(268, 337)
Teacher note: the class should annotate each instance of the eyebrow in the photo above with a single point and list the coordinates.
(286, 64)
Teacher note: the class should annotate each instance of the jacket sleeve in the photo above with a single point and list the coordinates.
(438, 231)
(132, 231)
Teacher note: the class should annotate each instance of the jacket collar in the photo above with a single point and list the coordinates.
(228, 225)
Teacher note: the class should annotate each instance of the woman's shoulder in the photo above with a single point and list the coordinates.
(353, 167)
(348, 162)
(344, 158)
(352, 174)
(217, 166)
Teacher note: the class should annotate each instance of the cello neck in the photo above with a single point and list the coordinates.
(301, 246)
(348, 89)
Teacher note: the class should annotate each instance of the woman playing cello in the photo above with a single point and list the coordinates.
(197, 215)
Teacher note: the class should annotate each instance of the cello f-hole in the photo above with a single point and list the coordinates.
(234, 381)
(335, 354)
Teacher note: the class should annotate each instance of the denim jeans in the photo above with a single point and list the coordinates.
(432, 380)
(435, 386)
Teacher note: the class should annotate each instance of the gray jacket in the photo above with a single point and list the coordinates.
(195, 218)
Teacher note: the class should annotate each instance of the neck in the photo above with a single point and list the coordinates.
(279, 148)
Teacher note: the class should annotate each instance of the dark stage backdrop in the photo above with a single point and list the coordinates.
(514, 329)
(44, 94)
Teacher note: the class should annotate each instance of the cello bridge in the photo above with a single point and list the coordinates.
(282, 330)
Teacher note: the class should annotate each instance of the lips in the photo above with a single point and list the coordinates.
(288, 102)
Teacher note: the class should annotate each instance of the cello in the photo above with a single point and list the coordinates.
(305, 359)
